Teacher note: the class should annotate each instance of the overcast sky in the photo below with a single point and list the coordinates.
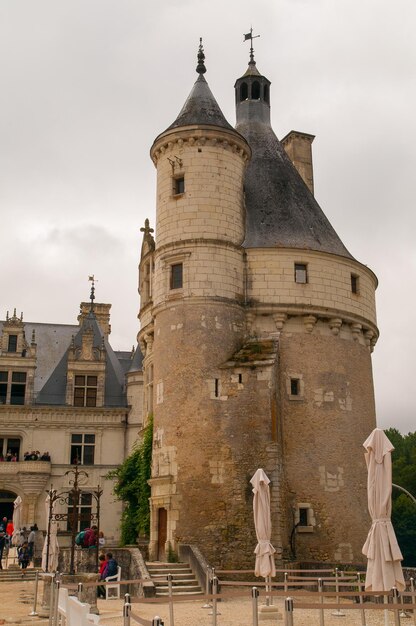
(86, 85)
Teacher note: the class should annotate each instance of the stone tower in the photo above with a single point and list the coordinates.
(257, 326)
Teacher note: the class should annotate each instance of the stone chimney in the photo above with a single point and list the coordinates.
(102, 313)
(298, 148)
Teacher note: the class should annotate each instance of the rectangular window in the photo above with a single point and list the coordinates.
(12, 347)
(303, 517)
(82, 449)
(18, 388)
(10, 447)
(179, 185)
(354, 283)
(294, 386)
(301, 274)
(85, 391)
(176, 276)
(3, 387)
(84, 512)
(216, 387)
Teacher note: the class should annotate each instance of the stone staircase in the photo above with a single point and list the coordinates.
(14, 573)
(184, 581)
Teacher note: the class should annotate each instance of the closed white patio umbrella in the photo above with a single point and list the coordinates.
(17, 519)
(264, 551)
(384, 570)
(50, 557)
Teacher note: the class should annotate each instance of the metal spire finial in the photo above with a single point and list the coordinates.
(251, 37)
(200, 68)
(92, 295)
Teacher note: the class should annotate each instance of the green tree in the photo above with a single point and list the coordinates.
(132, 488)
(403, 508)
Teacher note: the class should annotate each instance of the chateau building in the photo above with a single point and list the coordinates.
(257, 327)
(256, 332)
(65, 392)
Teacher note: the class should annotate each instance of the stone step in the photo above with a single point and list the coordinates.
(175, 577)
(184, 581)
(163, 594)
(162, 565)
(174, 574)
(175, 583)
(14, 576)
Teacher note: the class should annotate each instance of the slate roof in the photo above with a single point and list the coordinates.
(200, 108)
(137, 362)
(280, 209)
(52, 342)
(54, 390)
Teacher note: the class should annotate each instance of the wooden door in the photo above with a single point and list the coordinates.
(162, 534)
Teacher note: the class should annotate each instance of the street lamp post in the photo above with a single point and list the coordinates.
(71, 498)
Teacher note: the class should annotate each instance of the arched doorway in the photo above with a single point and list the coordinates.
(7, 499)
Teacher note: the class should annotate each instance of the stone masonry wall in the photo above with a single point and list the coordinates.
(211, 431)
(272, 281)
(323, 429)
(212, 164)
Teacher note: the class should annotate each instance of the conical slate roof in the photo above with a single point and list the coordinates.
(201, 108)
(280, 209)
(54, 390)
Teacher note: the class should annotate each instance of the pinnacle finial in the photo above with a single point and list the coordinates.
(200, 68)
(146, 229)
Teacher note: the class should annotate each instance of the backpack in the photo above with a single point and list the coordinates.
(79, 539)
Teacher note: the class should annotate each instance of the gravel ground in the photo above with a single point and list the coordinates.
(16, 602)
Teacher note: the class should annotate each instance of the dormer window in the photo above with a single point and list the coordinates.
(85, 391)
(12, 345)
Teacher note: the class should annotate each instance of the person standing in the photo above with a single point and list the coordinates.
(31, 540)
(24, 557)
(2, 545)
(10, 529)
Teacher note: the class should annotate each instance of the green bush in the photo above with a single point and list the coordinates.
(132, 488)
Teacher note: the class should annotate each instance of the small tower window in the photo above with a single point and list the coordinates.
(355, 283)
(303, 516)
(179, 185)
(243, 92)
(216, 387)
(255, 90)
(301, 273)
(12, 346)
(266, 94)
(176, 276)
(294, 386)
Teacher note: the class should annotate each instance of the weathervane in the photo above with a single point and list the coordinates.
(92, 279)
(251, 37)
